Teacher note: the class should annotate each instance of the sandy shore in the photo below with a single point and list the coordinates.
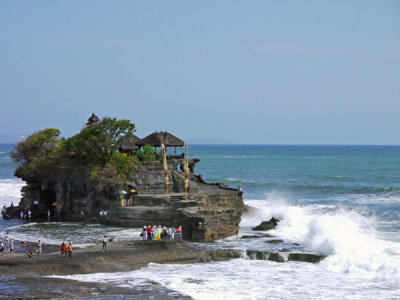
(28, 273)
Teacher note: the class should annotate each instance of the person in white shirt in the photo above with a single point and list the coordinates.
(105, 243)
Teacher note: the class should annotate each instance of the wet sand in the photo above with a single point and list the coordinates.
(27, 274)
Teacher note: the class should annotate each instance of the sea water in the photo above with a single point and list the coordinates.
(339, 201)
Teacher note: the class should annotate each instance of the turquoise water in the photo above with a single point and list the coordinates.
(353, 176)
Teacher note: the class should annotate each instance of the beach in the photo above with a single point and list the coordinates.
(119, 257)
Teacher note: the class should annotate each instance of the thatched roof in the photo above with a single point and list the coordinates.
(162, 137)
(93, 119)
(128, 143)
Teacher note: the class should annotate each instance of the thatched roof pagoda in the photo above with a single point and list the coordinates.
(93, 119)
(128, 143)
(161, 137)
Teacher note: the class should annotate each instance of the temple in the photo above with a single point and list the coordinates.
(163, 191)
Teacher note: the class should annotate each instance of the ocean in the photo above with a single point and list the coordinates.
(339, 201)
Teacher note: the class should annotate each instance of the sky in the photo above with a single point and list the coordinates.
(258, 72)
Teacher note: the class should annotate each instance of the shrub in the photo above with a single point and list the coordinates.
(147, 153)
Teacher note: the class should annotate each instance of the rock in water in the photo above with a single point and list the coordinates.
(274, 241)
(257, 255)
(256, 236)
(276, 257)
(267, 225)
(305, 257)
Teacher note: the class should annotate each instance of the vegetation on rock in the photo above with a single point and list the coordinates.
(148, 153)
(92, 153)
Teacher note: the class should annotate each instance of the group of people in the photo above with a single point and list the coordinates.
(66, 250)
(36, 249)
(103, 213)
(160, 233)
(25, 215)
(8, 247)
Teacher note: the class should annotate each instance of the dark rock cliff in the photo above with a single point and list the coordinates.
(210, 211)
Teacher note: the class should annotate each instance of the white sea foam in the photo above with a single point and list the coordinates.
(80, 235)
(10, 191)
(360, 265)
(248, 279)
(349, 239)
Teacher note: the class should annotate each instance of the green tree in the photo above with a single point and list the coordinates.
(147, 153)
(36, 145)
(32, 153)
(124, 164)
(115, 130)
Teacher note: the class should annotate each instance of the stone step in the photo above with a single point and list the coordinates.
(177, 198)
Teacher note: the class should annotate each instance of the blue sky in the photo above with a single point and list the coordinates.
(271, 72)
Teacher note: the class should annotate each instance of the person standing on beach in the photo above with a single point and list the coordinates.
(11, 247)
(63, 249)
(1, 247)
(69, 249)
(7, 238)
(21, 214)
(105, 243)
(149, 233)
(144, 233)
(48, 215)
(29, 215)
(39, 247)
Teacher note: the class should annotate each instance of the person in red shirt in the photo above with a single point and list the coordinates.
(63, 248)
(149, 232)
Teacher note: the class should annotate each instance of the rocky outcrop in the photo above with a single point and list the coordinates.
(209, 212)
(305, 257)
(257, 236)
(276, 257)
(206, 216)
(267, 225)
(283, 256)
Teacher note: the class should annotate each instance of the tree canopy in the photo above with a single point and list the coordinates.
(91, 153)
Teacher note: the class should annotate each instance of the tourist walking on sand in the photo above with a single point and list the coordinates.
(63, 249)
(1, 247)
(7, 238)
(69, 249)
(105, 243)
(11, 247)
